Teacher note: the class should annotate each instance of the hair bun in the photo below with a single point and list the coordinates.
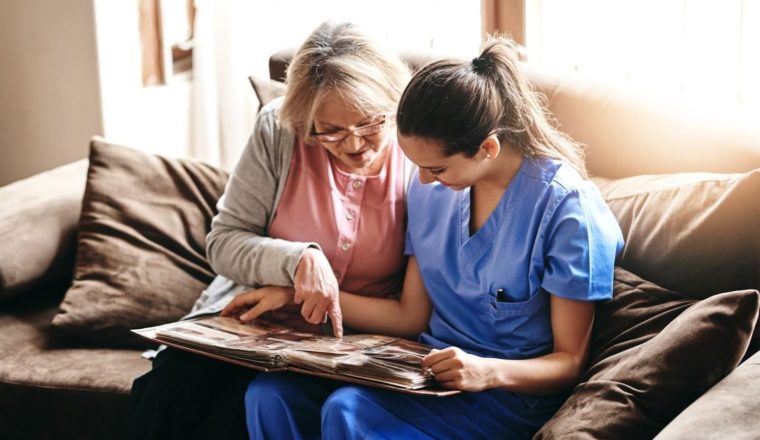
(481, 64)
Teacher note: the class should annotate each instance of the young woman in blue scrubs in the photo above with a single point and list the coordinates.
(509, 246)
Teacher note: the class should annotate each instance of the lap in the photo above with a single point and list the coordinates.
(363, 412)
(187, 393)
(376, 413)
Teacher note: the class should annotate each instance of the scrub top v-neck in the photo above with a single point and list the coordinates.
(550, 233)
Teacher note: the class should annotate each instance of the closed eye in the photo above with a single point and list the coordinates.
(437, 172)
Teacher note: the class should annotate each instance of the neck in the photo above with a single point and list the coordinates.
(501, 171)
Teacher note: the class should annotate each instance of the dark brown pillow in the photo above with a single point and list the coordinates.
(141, 257)
(266, 89)
(696, 233)
(653, 352)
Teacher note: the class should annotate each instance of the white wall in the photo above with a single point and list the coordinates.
(155, 118)
(49, 99)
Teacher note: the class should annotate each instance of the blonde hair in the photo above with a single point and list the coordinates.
(339, 60)
(460, 103)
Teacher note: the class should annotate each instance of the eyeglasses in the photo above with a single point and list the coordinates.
(374, 127)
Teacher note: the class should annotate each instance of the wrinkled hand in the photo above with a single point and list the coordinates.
(254, 303)
(456, 369)
(316, 288)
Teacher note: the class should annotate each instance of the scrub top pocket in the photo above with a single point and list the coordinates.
(511, 308)
(523, 328)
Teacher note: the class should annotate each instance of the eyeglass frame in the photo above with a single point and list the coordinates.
(344, 133)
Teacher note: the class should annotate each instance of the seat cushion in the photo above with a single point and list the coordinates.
(49, 389)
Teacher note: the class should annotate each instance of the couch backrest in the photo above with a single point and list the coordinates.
(626, 135)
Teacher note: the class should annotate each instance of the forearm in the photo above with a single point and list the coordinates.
(253, 260)
(548, 374)
(384, 316)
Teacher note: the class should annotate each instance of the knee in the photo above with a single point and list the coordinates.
(255, 394)
(344, 410)
(268, 390)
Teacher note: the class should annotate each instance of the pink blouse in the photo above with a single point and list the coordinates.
(358, 221)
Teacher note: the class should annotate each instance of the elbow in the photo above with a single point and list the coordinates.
(414, 327)
(213, 242)
(576, 367)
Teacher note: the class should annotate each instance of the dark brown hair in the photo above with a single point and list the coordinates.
(460, 103)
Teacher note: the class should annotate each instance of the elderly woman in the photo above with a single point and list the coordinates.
(315, 204)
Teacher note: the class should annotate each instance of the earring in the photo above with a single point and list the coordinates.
(488, 155)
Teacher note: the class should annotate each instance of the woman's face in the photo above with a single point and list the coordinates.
(354, 154)
(456, 172)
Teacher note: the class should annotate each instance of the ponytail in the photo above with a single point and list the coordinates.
(459, 104)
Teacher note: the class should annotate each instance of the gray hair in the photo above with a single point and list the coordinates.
(338, 59)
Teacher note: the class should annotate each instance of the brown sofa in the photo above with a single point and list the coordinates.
(53, 388)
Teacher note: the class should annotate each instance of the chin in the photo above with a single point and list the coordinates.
(359, 165)
(453, 186)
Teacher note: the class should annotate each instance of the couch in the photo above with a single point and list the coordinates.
(54, 387)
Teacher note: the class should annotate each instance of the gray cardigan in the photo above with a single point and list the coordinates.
(238, 247)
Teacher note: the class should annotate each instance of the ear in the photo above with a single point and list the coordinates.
(490, 147)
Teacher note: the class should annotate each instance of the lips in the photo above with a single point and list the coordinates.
(357, 157)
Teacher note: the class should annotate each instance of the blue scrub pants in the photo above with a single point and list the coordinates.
(293, 406)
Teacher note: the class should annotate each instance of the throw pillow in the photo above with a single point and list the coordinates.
(140, 245)
(696, 233)
(653, 352)
(266, 89)
(38, 217)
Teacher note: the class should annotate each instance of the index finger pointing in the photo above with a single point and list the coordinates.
(336, 317)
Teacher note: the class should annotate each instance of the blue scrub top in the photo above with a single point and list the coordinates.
(550, 233)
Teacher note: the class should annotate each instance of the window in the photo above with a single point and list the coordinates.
(166, 38)
(704, 53)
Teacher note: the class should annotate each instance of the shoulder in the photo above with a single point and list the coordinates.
(267, 117)
(565, 197)
(555, 181)
(270, 137)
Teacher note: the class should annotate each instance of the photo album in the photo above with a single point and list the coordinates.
(374, 360)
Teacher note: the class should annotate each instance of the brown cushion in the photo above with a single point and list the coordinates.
(696, 233)
(141, 243)
(729, 410)
(653, 352)
(38, 218)
(266, 89)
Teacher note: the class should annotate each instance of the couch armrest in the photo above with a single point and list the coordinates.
(728, 410)
(38, 219)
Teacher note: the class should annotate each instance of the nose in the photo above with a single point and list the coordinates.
(353, 142)
(426, 177)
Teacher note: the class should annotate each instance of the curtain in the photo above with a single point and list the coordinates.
(222, 106)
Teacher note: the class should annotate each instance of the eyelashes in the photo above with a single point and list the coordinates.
(437, 172)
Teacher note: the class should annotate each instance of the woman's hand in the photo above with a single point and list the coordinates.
(456, 369)
(317, 288)
(254, 303)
